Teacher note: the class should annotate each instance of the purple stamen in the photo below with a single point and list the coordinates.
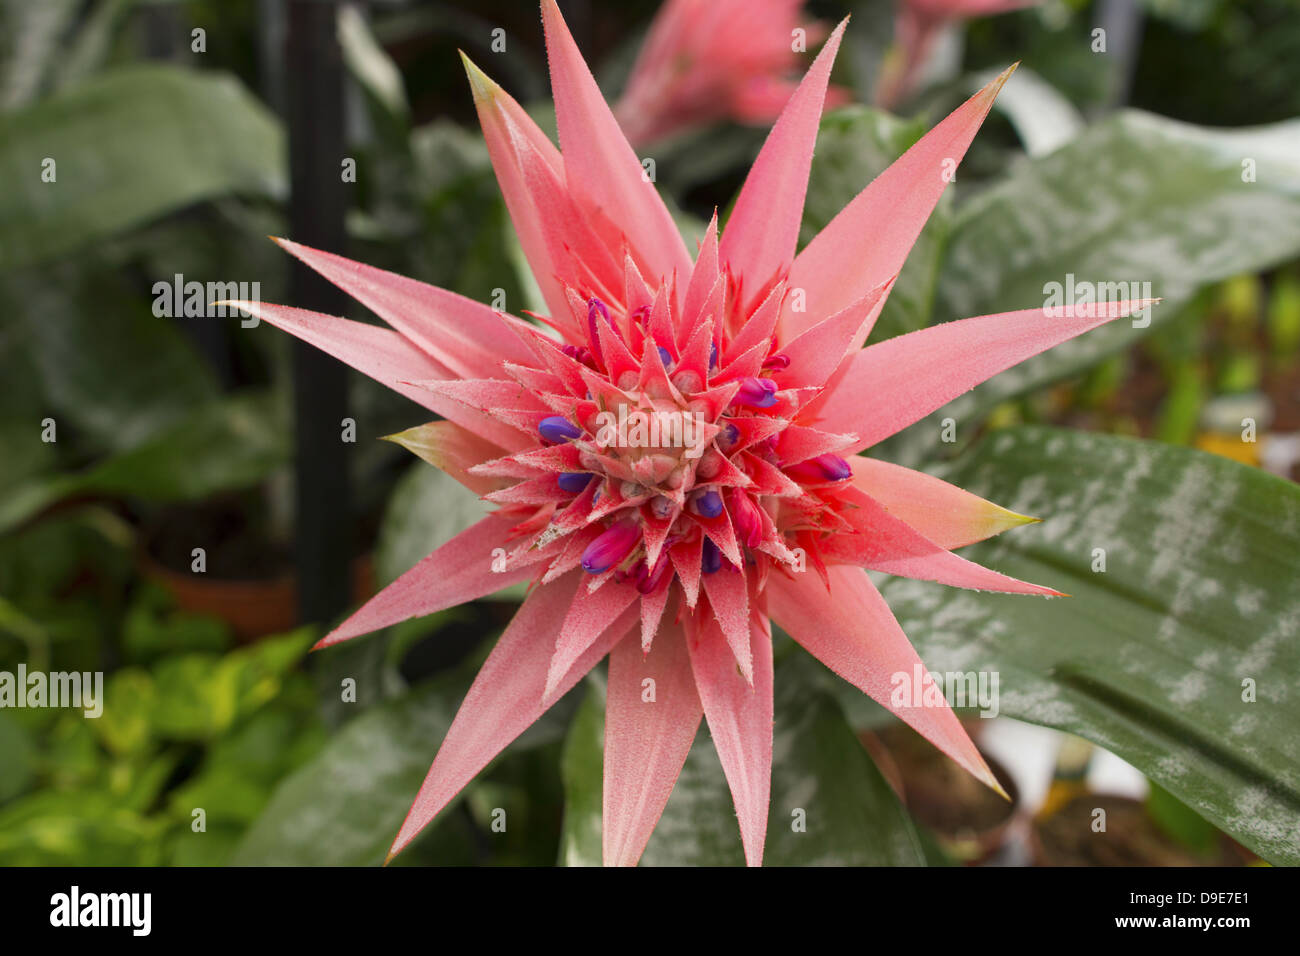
(708, 504)
(556, 429)
(574, 481)
(710, 557)
(756, 392)
(611, 547)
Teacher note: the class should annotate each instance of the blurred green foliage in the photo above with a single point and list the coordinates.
(171, 161)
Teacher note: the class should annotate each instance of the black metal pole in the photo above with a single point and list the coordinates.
(316, 209)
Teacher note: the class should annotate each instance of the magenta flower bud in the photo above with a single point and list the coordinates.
(708, 504)
(710, 557)
(574, 481)
(611, 547)
(821, 468)
(556, 429)
(778, 361)
(757, 392)
(578, 354)
(596, 308)
(648, 579)
(747, 520)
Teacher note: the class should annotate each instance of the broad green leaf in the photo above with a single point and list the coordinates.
(829, 803)
(1182, 656)
(854, 145)
(129, 146)
(232, 443)
(110, 371)
(1136, 199)
(343, 807)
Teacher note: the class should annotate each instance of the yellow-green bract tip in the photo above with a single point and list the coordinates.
(479, 82)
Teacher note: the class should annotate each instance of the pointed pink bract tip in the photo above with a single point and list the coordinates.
(480, 84)
(995, 87)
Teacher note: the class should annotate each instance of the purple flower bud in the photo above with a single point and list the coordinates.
(556, 429)
(758, 392)
(611, 547)
(708, 504)
(729, 435)
(821, 468)
(713, 355)
(710, 557)
(665, 356)
(574, 481)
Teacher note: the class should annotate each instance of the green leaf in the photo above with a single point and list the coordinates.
(129, 146)
(829, 803)
(854, 145)
(77, 828)
(1135, 199)
(232, 443)
(29, 40)
(1043, 117)
(343, 807)
(1150, 658)
(17, 756)
(85, 329)
(371, 65)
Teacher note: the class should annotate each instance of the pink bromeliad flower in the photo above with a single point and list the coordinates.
(709, 60)
(668, 551)
(917, 25)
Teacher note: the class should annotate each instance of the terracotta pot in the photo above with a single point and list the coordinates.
(252, 608)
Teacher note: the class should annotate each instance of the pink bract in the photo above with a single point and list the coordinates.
(674, 561)
(708, 60)
(917, 25)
